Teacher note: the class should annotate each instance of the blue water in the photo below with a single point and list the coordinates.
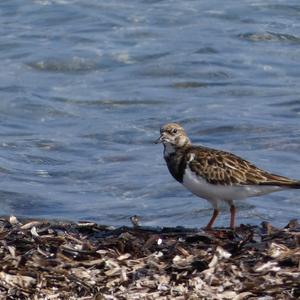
(85, 86)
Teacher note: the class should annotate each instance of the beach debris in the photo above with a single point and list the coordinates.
(41, 259)
(13, 220)
(135, 220)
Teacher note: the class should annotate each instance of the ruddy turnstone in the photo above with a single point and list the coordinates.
(216, 175)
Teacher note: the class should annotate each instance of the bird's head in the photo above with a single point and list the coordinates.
(173, 136)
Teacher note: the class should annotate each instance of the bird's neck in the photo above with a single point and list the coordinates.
(175, 159)
(169, 149)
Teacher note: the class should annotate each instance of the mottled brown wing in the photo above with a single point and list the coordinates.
(219, 167)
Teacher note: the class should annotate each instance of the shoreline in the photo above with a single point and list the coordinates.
(43, 259)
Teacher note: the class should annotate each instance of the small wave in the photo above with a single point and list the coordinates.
(116, 159)
(232, 129)
(74, 65)
(207, 50)
(51, 2)
(269, 36)
(43, 160)
(109, 103)
(21, 203)
(286, 103)
(189, 84)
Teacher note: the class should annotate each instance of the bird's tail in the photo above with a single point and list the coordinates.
(285, 182)
(295, 185)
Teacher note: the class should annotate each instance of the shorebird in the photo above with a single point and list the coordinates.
(216, 175)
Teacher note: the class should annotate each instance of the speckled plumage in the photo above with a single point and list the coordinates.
(220, 167)
(214, 174)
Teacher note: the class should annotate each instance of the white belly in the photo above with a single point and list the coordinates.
(213, 192)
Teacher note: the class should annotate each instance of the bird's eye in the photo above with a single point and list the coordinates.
(174, 130)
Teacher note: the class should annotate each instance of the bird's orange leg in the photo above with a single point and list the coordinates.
(232, 216)
(212, 220)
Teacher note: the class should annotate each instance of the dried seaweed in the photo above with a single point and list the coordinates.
(57, 260)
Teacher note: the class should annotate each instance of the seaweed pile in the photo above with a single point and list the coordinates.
(63, 260)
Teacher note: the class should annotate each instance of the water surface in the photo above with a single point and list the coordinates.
(85, 86)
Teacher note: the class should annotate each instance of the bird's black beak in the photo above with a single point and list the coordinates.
(158, 141)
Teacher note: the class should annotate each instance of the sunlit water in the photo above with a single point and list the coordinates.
(85, 86)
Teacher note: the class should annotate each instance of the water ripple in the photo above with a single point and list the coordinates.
(85, 86)
(269, 37)
(109, 103)
(74, 65)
